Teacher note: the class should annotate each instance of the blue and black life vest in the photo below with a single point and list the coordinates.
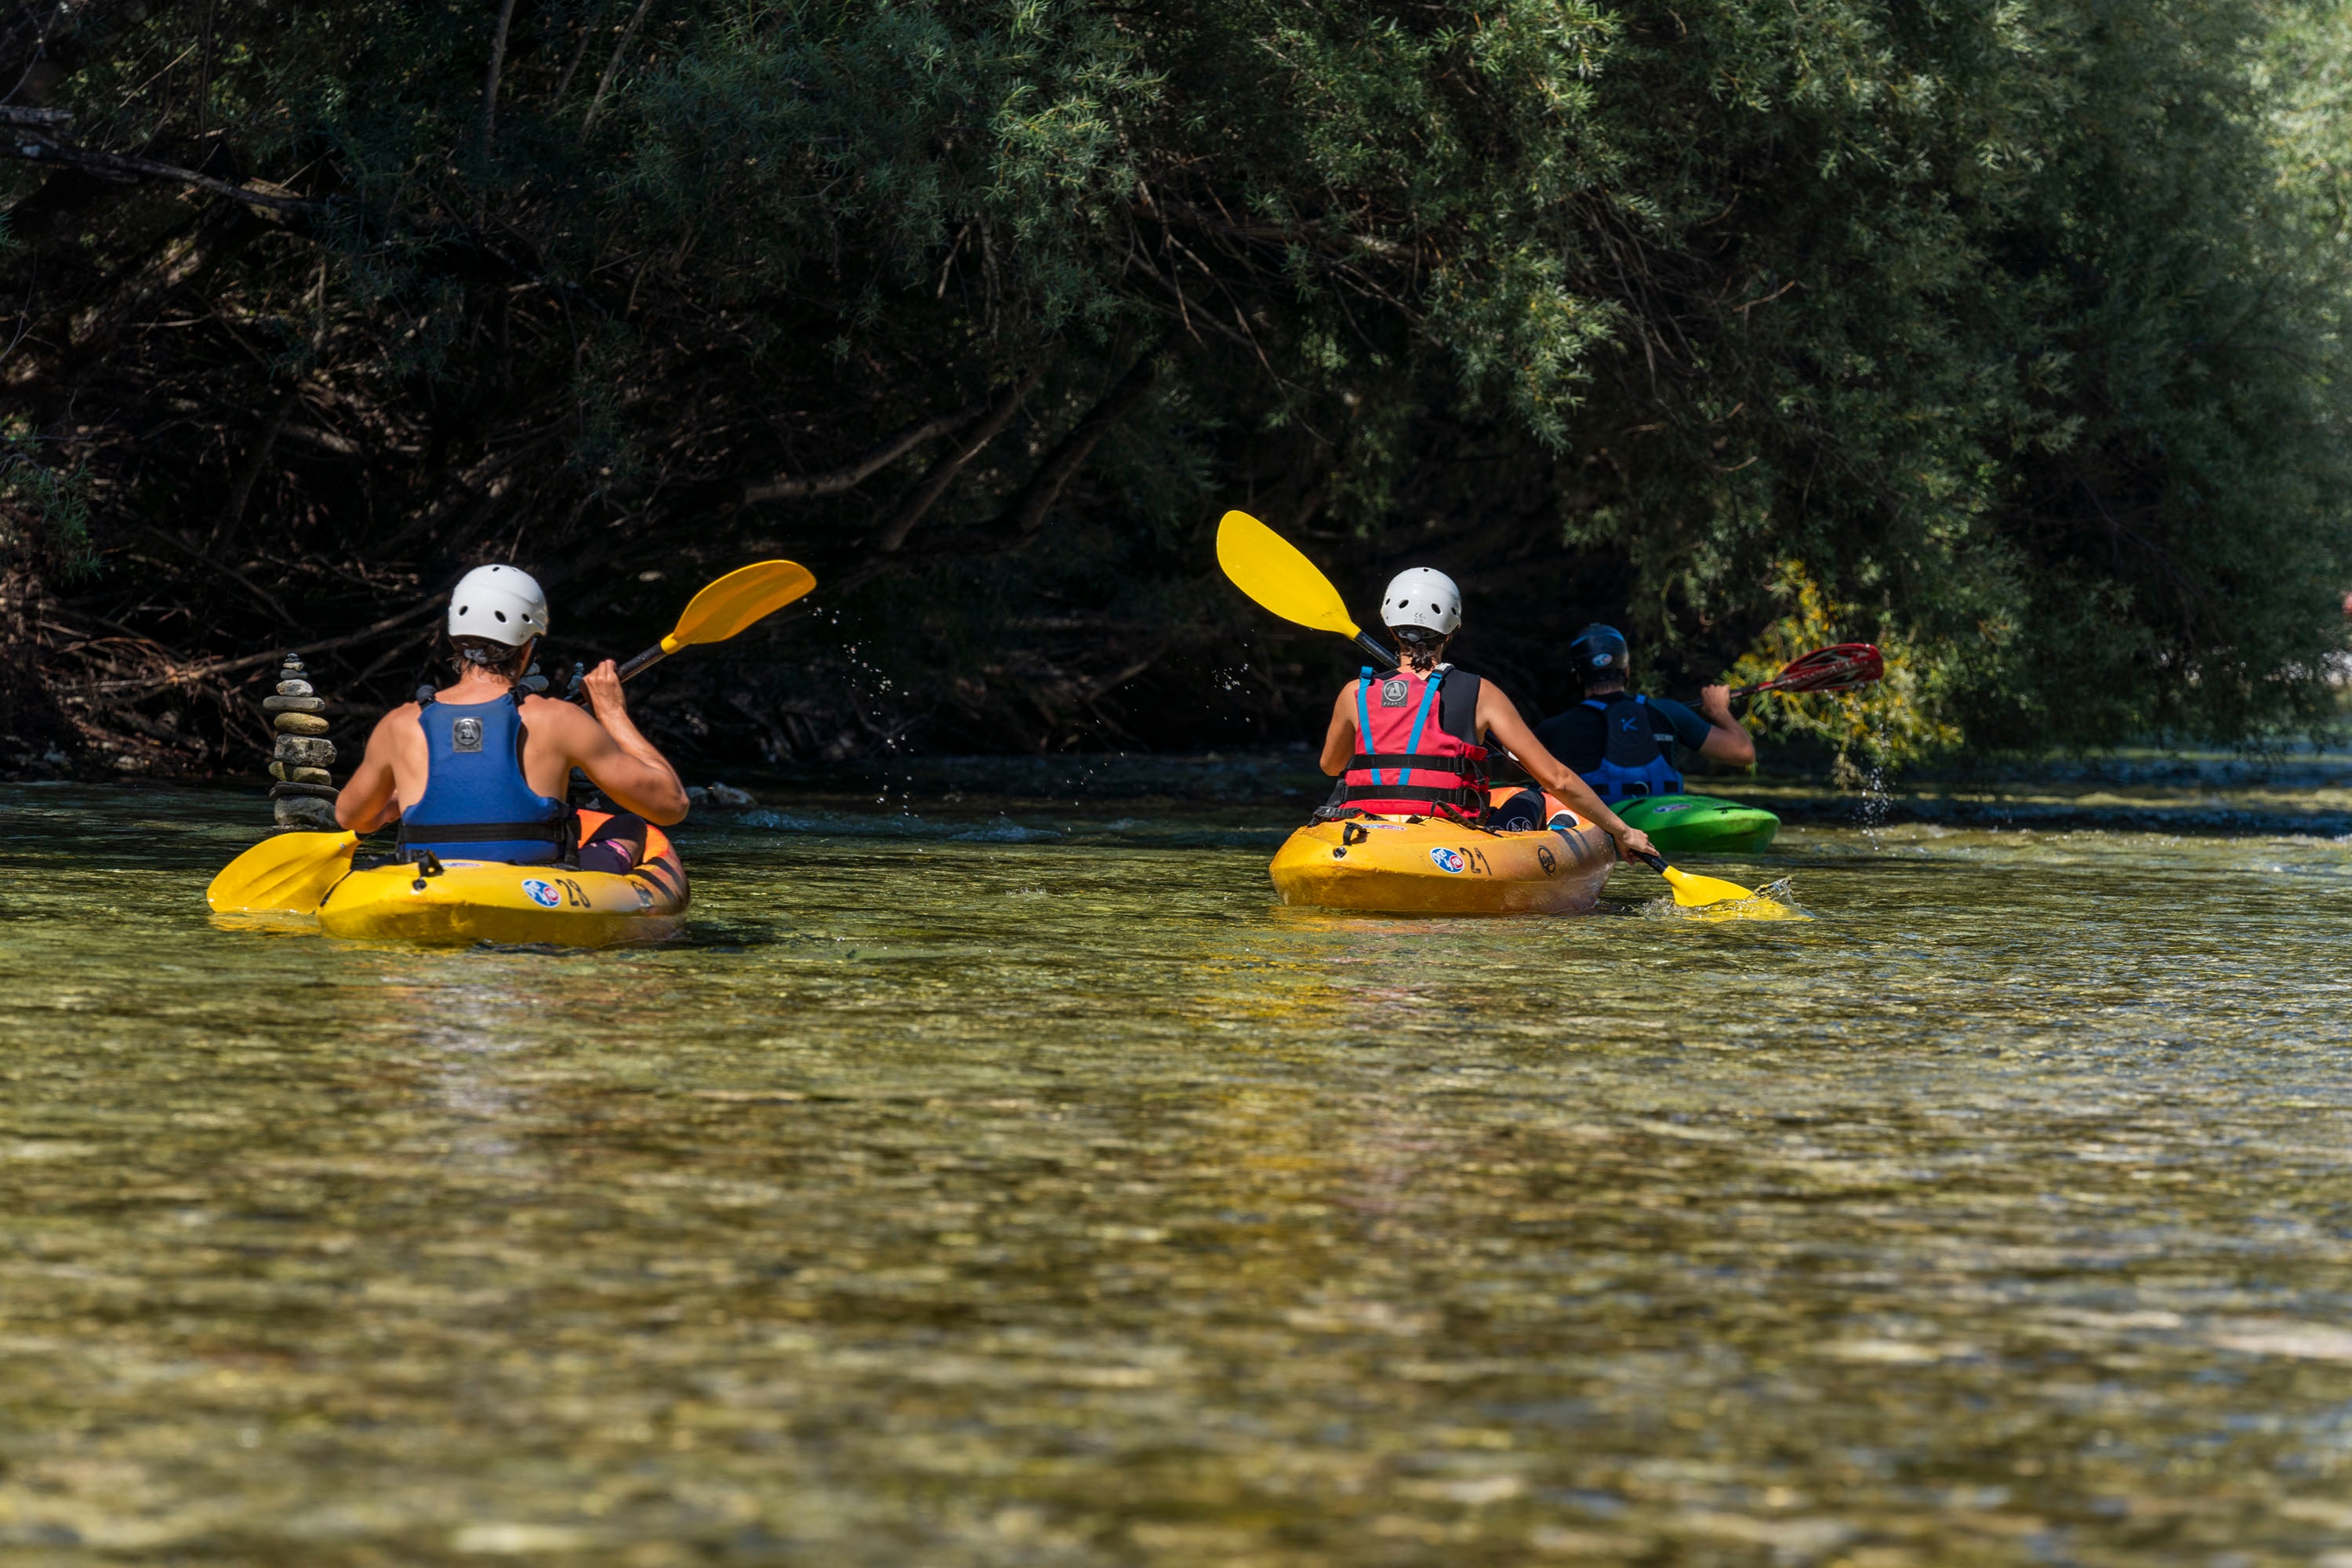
(477, 805)
(1633, 761)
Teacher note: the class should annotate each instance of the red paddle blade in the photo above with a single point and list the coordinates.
(1836, 669)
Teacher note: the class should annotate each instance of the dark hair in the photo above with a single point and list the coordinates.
(487, 652)
(1419, 645)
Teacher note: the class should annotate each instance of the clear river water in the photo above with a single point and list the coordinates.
(1012, 1184)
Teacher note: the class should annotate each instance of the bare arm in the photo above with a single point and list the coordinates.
(1340, 740)
(1728, 739)
(1499, 718)
(372, 797)
(609, 749)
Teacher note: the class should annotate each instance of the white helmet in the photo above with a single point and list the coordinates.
(500, 603)
(1422, 597)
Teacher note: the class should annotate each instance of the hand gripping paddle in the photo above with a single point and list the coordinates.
(1270, 570)
(289, 873)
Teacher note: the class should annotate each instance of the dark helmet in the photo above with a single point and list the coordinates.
(1599, 648)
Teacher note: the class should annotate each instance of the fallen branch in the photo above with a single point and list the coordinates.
(795, 487)
(924, 496)
(36, 146)
(195, 673)
(1027, 512)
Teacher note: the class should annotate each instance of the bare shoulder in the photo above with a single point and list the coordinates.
(1494, 704)
(568, 727)
(393, 722)
(551, 716)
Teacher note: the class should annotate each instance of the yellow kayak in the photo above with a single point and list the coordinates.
(1397, 865)
(488, 901)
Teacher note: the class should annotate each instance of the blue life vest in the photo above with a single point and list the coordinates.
(477, 805)
(1633, 762)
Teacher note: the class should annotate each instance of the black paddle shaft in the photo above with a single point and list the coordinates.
(645, 660)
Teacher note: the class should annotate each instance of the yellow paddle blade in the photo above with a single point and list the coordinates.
(286, 874)
(1270, 569)
(737, 599)
(1695, 892)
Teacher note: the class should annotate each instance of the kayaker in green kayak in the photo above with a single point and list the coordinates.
(1622, 744)
(1412, 741)
(478, 771)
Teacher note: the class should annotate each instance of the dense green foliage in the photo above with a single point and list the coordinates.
(2016, 335)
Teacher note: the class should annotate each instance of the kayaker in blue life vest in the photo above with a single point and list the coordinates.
(1412, 741)
(1623, 744)
(476, 772)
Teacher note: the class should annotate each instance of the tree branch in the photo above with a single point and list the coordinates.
(795, 487)
(611, 69)
(491, 81)
(925, 495)
(235, 512)
(193, 673)
(36, 146)
(1028, 512)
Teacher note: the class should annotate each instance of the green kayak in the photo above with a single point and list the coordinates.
(1700, 822)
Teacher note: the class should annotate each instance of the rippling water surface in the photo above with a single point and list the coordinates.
(1029, 1189)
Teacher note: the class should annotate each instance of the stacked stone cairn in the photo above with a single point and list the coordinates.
(305, 790)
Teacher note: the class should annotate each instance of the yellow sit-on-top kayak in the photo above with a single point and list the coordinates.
(488, 900)
(1428, 866)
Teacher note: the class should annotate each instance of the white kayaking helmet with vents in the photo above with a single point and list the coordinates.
(1422, 597)
(500, 603)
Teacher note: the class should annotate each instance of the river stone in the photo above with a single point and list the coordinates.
(302, 724)
(301, 752)
(303, 811)
(293, 688)
(300, 776)
(294, 704)
(292, 791)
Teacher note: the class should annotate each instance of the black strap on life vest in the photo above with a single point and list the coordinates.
(563, 833)
(1365, 761)
(1465, 795)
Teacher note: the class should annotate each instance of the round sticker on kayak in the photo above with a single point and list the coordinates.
(1448, 859)
(543, 894)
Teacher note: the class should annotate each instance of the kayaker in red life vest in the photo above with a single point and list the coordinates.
(1411, 740)
(475, 771)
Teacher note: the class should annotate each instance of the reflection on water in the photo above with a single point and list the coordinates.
(1059, 1198)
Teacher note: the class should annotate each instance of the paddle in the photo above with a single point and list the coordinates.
(287, 874)
(1270, 570)
(1265, 566)
(1693, 891)
(1840, 667)
(291, 872)
(746, 594)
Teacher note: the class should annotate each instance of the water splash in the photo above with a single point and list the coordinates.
(1772, 902)
(1868, 778)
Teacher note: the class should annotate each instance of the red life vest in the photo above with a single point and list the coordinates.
(1412, 760)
